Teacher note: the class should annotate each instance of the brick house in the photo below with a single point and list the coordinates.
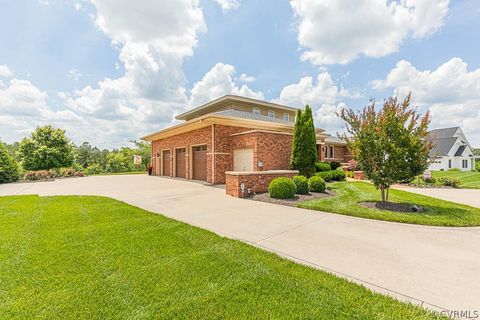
(232, 133)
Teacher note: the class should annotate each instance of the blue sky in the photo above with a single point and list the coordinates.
(111, 71)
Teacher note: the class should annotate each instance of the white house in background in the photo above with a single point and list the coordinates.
(451, 150)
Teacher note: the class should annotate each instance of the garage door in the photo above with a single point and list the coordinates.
(166, 162)
(199, 163)
(243, 160)
(180, 163)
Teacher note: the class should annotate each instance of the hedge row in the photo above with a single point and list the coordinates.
(332, 175)
(285, 188)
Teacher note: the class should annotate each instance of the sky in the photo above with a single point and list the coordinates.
(110, 71)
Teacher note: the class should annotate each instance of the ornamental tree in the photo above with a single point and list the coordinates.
(304, 146)
(46, 148)
(391, 145)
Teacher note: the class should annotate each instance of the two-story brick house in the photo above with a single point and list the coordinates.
(232, 133)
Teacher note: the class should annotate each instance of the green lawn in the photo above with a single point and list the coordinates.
(469, 180)
(438, 212)
(97, 258)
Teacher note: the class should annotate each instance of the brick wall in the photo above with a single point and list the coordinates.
(257, 182)
(342, 154)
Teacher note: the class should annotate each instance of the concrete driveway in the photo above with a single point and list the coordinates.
(433, 266)
(470, 197)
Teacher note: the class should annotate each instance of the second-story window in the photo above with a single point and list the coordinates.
(286, 117)
(256, 110)
(271, 113)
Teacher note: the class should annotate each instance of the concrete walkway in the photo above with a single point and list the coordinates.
(434, 266)
(469, 197)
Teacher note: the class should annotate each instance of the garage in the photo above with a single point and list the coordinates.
(243, 160)
(180, 163)
(166, 163)
(199, 162)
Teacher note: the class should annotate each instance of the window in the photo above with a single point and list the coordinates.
(449, 163)
(332, 152)
(286, 117)
(256, 110)
(271, 113)
(464, 164)
(326, 152)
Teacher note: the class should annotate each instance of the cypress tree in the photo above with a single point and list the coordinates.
(309, 155)
(295, 159)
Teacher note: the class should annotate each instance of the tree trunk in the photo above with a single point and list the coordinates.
(388, 193)
(382, 191)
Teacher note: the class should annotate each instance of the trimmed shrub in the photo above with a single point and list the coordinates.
(39, 175)
(93, 169)
(316, 184)
(335, 165)
(67, 172)
(338, 175)
(322, 166)
(282, 188)
(449, 182)
(301, 182)
(325, 175)
(8, 166)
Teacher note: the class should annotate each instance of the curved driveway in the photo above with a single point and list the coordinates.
(434, 266)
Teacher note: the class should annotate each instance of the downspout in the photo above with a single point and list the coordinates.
(213, 153)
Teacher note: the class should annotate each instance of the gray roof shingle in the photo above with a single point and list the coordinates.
(250, 115)
(441, 147)
(443, 133)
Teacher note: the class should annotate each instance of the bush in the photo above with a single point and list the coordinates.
(338, 175)
(301, 183)
(67, 172)
(353, 165)
(322, 166)
(477, 165)
(335, 165)
(449, 182)
(316, 184)
(282, 188)
(8, 166)
(349, 174)
(325, 175)
(93, 169)
(39, 175)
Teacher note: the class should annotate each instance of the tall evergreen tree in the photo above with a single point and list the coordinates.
(8, 166)
(304, 147)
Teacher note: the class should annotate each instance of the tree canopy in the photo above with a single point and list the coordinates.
(391, 145)
(46, 148)
(8, 166)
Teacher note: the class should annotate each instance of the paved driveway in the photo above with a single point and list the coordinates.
(469, 197)
(434, 266)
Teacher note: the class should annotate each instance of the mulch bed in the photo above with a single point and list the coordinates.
(392, 206)
(265, 197)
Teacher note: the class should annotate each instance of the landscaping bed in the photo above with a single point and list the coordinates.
(293, 202)
(83, 257)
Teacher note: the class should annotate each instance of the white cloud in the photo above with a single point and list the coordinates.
(228, 4)
(217, 82)
(451, 93)
(5, 71)
(338, 31)
(315, 93)
(74, 74)
(246, 78)
(22, 98)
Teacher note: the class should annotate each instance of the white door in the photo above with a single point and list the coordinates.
(243, 160)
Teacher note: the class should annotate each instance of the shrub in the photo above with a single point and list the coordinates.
(349, 174)
(39, 175)
(316, 184)
(335, 165)
(322, 166)
(282, 188)
(338, 175)
(325, 175)
(301, 183)
(352, 165)
(67, 172)
(79, 174)
(477, 165)
(93, 169)
(449, 182)
(8, 166)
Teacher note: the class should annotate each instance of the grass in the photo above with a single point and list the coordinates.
(469, 180)
(437, 212)
(97, 258)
